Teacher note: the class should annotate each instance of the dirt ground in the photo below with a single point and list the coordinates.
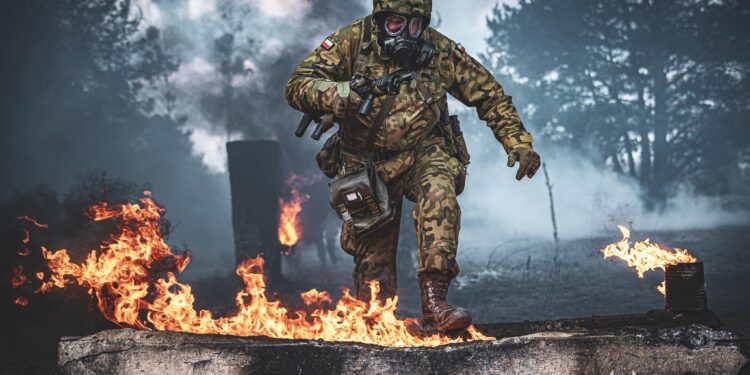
(514, 281)
(589, 285)
(506, 282)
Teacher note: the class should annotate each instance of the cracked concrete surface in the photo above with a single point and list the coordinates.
(694, 349)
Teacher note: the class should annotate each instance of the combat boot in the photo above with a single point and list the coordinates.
(437, 314)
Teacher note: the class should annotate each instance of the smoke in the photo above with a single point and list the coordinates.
(243, 100)
(44, 142)
(589, 199)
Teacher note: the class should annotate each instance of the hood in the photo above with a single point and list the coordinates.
(409, 7)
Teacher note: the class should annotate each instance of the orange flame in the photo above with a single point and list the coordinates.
(18, 277)
(290, 229)
(646, 256)
(33, 221)
(121, 274)
(21, 301)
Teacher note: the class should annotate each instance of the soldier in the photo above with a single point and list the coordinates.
(405, 138)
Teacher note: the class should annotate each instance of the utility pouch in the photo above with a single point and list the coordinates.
(450, 127)
(329, 157)
(462, 152)
(362, 200)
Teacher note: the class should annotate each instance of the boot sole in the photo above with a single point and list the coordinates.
(457, 324)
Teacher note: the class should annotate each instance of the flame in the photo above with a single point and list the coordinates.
(646, 256)
(21, 301)
(33, 221)
(18, 277)
(26, 238)
(290, 229)
(122, 275)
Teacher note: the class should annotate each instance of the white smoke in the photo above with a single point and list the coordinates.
(284, 8)
(466, 21)
(195, 9)
(588, 199)
(148, 12)
(495, 206)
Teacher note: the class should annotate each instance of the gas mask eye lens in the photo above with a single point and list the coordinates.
(415, 27)
(394, 24)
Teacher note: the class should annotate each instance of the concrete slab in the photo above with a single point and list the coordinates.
(640, 344)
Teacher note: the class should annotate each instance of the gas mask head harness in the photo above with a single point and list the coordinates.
(401, 37)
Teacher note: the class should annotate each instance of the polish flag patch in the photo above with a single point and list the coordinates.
(461, 48)
(327, 44)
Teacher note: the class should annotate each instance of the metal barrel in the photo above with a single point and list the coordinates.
(686, 287)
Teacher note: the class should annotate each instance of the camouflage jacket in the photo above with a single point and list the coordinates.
(416, 110)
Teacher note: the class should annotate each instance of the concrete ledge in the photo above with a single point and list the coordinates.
(689, 348)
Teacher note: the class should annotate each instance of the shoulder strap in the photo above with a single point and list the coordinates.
(360, 55)
(379, 120)
(359, 62)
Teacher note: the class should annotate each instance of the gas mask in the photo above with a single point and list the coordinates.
(401, 38)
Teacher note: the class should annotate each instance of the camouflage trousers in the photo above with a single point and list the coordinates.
(430, 182)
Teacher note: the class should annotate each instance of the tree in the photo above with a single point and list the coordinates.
(75, 92)
(645, 83)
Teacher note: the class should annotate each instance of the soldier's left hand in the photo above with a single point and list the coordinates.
(528, 159)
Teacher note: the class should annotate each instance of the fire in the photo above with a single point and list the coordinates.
(18, 277)
(123, 276)
(33, 221)
(646, 256)
(290, 229)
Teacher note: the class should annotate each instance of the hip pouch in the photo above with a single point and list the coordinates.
(459, 142)
(450, 128)
(362, 200)
(329, 157)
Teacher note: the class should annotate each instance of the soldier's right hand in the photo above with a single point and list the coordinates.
(332, 96)
(338, 98)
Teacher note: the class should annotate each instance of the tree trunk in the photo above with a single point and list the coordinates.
(646, 175)
(661, 127)
(629, 150)
(661, 120)
(615, 161)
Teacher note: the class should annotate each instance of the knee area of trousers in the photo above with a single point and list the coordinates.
(438, 190)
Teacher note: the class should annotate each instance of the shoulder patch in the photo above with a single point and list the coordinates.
(461, 48)
(328, 44)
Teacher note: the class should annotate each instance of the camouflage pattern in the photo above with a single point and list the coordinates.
(421, 8)
(430, 183)
(417, 107)
(422, 169)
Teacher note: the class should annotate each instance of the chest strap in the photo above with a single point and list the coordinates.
(360, 62)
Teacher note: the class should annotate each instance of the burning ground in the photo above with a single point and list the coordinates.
(513, 285)
(124, 275)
